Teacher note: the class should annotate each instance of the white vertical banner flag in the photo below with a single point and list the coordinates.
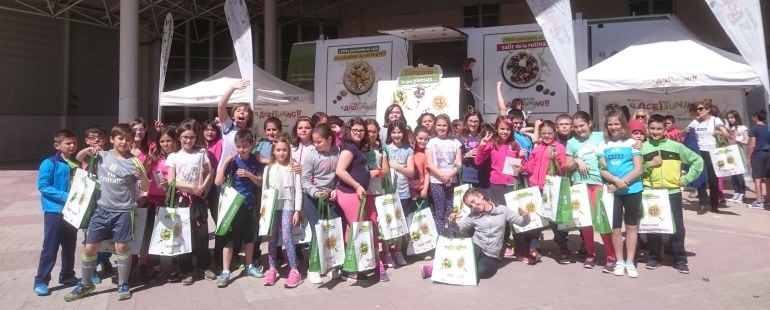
(555, 17)
(240, 30)
(742, 21)
(165, 50)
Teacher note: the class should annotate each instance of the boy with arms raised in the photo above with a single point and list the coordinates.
(118, 172)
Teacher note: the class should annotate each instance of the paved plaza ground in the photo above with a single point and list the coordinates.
(728, 261)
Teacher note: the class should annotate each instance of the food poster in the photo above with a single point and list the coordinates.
(422, 232)
(418, 90)
(529, 200)
(78, 206)
(728, 161)
(581, 208)
(352, 72)
(364, 245)
(135, 246)
(171, 233)
(454, 262)
(656, 213)
(330, 243)
(390, 217)
(525, 65)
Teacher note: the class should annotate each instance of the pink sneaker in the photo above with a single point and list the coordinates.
(294, 280)
(509, 253)
(426, 271)
(271, 276)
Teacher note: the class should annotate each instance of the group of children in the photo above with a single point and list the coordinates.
(325, 160)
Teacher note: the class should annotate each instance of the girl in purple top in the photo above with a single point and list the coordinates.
(354, 175)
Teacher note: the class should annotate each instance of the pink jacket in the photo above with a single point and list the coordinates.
(497, 156)
(537, 166)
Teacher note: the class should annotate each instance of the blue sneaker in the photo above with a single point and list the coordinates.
(123, 292)
(41, 289)
(256, 272)
(70, 281)
(96, 279)
(80, 291)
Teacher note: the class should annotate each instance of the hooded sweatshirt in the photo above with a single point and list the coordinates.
(489, 227)
(318, 170)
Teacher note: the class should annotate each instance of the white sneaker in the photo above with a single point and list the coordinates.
(739, 199)
(631, 271)
(314, 277)
(388, 260)
(734, 198)
(400, 261)
(620, 268)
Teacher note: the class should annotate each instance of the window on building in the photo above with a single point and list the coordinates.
(647, 7)
(487, 15)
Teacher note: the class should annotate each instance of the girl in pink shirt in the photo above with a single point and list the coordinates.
(497, 148)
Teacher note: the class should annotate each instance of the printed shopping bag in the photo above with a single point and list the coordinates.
(326, 247)
(267, 207)
(229, 203)
(564, 204)
(171, 234)
(422, 231)
(728, 161)
(601, 222)
(550, 197)
(656, 213)
(608, 199)
(81, 199)
(580, 206)
(390, 217)
(454, 262)
(359, 251)
(529, 200)
(457, 200)
(139, 222)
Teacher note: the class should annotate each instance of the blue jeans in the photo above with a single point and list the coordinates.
(56, 233)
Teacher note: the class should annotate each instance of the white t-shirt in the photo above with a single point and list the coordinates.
(188, 166)
(444, 152)
(740, 133)
(705, 132)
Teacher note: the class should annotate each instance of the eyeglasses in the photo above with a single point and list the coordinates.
(472, 121)
(357, 130)
(701, 108)
(641, 116)
(546, 133)
(95, 138)
(187, 138)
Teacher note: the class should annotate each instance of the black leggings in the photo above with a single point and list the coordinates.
(486, 266)
(713, 187)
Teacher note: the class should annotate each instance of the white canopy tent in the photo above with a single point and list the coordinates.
(268, 90)
(668, 60)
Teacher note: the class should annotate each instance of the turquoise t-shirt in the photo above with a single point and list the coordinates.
(619, 156)
(586, 151)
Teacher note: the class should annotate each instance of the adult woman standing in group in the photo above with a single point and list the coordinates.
(708, 128)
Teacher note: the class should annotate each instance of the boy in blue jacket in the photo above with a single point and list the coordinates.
(53, 182)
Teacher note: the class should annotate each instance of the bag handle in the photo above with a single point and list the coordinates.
(419, 204)
(361, 208)
(170, 194)
(322, 206)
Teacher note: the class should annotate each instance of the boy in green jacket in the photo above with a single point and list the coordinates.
(663, 159)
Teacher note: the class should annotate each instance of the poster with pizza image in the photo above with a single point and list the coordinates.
(352, 72)
(525, 65)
